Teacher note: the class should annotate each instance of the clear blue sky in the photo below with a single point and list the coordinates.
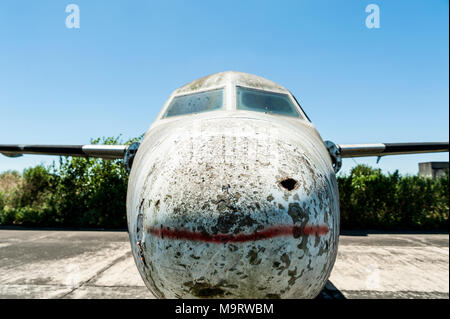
(113, 74)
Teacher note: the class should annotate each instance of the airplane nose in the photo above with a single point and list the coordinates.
(248, 215)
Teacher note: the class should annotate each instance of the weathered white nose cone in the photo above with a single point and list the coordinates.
(248, 210)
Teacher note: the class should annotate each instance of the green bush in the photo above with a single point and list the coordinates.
(80, 192)
(372, 200)
(88, 192)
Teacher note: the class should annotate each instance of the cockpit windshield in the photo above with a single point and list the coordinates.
(195, 103)
(264, 101)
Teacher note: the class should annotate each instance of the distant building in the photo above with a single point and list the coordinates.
(432, 169)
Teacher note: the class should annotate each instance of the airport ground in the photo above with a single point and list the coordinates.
(99, 264)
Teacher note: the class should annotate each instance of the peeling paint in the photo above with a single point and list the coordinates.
(213, 187)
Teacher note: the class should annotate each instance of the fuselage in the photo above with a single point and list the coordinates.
(231, 202)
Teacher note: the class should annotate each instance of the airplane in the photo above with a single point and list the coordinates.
(232, 192)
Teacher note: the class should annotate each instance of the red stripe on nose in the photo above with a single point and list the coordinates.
(271, 232)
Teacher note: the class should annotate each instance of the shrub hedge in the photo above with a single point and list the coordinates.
(86, 192)
(79, 192)
(370, 199)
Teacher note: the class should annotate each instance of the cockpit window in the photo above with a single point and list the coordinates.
(263, 101)
(195, 103)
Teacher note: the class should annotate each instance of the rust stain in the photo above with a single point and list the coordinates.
(141, 252)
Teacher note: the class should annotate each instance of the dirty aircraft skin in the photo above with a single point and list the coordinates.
(232, 192)
(207, 205)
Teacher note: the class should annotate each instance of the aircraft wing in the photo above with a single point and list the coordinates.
(339, 151)
(118, 151)
(127, 152)
(382, 149)
(100, 151)
(108, 152)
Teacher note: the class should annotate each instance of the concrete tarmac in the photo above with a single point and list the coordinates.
(99, 264)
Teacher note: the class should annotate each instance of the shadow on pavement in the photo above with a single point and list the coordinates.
(366, 232)
(330, 292)
(11, 227)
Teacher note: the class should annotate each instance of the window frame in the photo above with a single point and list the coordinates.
(223, 107)
(301, 115)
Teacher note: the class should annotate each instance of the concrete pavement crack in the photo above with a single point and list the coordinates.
(115, 261)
